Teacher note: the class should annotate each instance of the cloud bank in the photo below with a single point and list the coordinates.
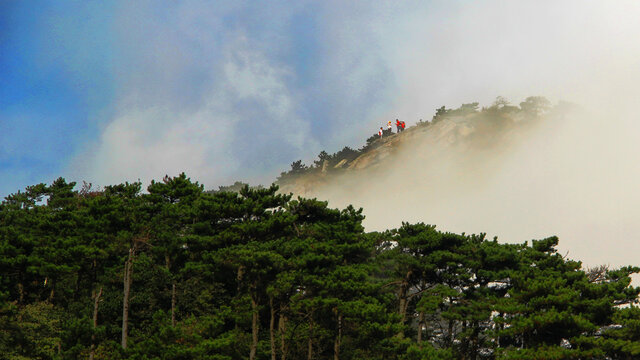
(237, 91)
(567, 176)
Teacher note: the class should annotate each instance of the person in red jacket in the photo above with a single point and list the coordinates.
(398, 126)
(380, 131)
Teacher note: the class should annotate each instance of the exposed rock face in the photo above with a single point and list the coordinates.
(325, 166)
(454, 141)
(341, 164)
(447, 132)
(444, 133)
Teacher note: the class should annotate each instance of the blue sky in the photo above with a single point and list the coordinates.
(235, 90)
(70, 70)
(55, 87)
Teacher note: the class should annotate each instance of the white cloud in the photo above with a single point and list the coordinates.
(213, 89)
(149, 143)
(191, 98)
(452, 52)
(250, 76)
(576, 180)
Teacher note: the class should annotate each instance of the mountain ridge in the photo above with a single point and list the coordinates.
(463, 131)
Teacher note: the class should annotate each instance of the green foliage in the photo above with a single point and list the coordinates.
(235, 187)
(226, 274)
(321, 158)
(370, 143)
(298, 168)
(535, 105)
(35, 333)
(441, 112)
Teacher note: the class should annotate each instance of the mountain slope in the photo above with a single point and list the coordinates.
(462, 135)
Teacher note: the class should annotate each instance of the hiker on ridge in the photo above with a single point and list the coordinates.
(389, 126)
(380, 132)
(399, 125)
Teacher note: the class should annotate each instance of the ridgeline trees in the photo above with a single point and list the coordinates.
(179, 273)
(498, 118)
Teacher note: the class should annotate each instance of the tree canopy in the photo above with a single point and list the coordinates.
(175, 272)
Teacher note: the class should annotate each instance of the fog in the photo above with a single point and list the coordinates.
(236, 91)
(576, 178)
(573, 176)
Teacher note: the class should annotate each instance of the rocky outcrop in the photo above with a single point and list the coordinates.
(421, 144)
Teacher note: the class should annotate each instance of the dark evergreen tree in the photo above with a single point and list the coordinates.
(178, 273)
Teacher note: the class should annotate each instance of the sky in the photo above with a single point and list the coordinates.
(107, 92)
(118, 91)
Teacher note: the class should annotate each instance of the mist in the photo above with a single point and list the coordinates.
(237, 91)
(575, 178)
(574, 175)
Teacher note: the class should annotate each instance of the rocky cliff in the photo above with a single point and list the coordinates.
(420, 144)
